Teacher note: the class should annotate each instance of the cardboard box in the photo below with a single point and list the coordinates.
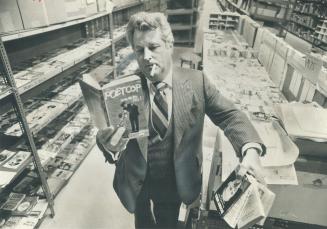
(91, 7)
(41, 13)
(10, 19)
(75, 9)
(101, 5)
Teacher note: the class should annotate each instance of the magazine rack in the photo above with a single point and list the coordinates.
(12, 91)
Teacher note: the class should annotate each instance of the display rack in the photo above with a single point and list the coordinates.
(223, 21)
(271, 11)
(307, 21)
(182, 21)
(18, 107)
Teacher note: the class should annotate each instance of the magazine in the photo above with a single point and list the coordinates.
(242, 201)
(119, 103)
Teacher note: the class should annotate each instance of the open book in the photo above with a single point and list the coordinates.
(119, 103)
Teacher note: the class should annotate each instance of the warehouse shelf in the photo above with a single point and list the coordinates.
(181, 27)
(180, 11)
(129, 5)
(301, 24)
(237, 8)
(5, 92)
(83, 53)
(16, 173)
(32, 32)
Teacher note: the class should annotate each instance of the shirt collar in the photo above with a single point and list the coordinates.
(168, 80)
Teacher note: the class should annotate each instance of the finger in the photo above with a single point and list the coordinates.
(117, 136)
(108, 132)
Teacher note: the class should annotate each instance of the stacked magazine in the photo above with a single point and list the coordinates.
(242, 201)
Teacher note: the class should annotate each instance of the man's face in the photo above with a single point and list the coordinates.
(153, 55)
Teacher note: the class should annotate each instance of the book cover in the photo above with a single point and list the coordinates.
(17, 160)
(24, 208)
(231, 191)
(13, 201)
(119, 103)
(5, 155)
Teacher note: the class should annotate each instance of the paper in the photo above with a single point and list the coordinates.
(280, 148)
(6, 177)
(280, 175)
(297, 124)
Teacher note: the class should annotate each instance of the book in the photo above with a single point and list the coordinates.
(25, 207)
(242, 201)
(17, 160)
(119, 103)
(13, 201)
(231, 190)
(5, 155)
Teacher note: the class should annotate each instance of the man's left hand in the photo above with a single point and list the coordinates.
(251, 162)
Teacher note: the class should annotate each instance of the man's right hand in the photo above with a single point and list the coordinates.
(111, 142)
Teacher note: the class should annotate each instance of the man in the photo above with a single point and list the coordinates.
(166, 166)
(133, 116)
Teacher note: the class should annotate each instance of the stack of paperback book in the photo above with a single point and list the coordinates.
(242, 201)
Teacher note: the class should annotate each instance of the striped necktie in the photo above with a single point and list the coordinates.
(159, 108)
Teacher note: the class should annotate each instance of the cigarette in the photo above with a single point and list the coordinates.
(153, 70)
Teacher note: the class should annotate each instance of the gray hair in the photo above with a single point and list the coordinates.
(144, 21)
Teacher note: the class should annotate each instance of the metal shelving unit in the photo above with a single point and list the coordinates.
(18, 106)
(12, 97)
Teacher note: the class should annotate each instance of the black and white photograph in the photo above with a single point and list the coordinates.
(163, 114)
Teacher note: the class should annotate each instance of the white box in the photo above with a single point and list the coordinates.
(75, 9)
(10, 19)
(41, 13)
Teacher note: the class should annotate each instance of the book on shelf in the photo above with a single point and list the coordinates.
(242, 201)
(13, 201)
(119, 103)
(25, 207)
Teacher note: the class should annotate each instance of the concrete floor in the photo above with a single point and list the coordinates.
(89, 200)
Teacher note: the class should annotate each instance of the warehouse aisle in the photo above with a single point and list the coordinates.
(88, 200)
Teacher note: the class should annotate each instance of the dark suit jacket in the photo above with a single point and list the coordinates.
(193, 97)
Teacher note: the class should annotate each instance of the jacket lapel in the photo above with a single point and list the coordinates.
(143, 142)
(183, 94)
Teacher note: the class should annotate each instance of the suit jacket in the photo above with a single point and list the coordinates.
(193, 96)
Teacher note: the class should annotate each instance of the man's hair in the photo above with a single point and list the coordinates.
(144, 21)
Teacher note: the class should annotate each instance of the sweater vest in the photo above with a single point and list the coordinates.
(160, 153)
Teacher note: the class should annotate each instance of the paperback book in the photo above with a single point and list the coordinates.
(119, 103)
(242, 201)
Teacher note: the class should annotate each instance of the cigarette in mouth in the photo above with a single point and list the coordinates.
(153, 70)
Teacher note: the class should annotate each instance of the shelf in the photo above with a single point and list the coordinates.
(266, 18)
(184, 41)
(118, 8)
(4, 93)
(237, 8)
(32, 32)
(175, 27)
(17, 172)
(305, 13)
(303, 25)
(274, 2)
(180, 11)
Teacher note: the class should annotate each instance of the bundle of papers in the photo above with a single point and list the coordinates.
(304, 121)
